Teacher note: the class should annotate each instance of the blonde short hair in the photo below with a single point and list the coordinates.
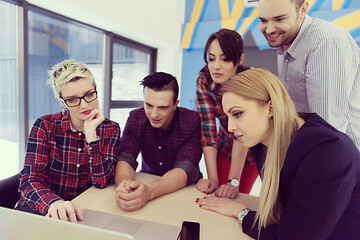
(67, 71)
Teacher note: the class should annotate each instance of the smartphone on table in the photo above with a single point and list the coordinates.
(189, 231)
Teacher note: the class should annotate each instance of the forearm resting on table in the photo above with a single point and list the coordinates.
(123, 171)
(171, 181)
(238, 157)
(210, 154)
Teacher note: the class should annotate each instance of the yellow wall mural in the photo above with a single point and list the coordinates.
(233, 14)
(203, 17)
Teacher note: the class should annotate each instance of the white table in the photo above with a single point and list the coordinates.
(171, 209)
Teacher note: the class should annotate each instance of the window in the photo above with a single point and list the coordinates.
(130, 65)
(9, 94)
(28, 51)
(52, 40)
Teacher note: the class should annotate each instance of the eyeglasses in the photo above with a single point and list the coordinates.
(73, 102)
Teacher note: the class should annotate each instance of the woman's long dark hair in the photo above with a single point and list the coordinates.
(231, 43)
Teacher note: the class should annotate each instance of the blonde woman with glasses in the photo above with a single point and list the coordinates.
(310, 170)
(70, 151)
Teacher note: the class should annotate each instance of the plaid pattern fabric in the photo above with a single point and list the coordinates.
(208, 100)
(60, 164)
(162, 150)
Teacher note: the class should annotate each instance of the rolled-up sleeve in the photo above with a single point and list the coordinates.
(190, 152)
(129, 145)
(206, 112)
(32, 188)
(102, 155)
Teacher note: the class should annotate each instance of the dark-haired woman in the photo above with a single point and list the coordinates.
(224, 56)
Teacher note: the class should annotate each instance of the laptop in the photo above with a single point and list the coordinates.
(139, 229)
(15, 225)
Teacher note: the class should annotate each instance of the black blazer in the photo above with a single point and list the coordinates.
(319, 186)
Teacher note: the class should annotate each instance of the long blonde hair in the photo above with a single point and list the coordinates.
(261, 85)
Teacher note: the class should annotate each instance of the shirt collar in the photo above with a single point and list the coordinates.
(66, 123)
(168, 129)
(293, 49)
(214, 87)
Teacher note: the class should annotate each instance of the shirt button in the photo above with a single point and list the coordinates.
(90, 148)
(77, 165)
(159, 147)
(79, 134)
(160, 163)
(89, 161)
(79, 149)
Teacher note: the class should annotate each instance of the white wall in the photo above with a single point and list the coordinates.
(156, 23)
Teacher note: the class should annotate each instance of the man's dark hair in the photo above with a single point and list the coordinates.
(160, 81)
(298, 3)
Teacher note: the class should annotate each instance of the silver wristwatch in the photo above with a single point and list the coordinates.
(234, 182)
(243, 213)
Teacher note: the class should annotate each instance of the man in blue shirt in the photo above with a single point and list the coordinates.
(318, 62)
(169, 139)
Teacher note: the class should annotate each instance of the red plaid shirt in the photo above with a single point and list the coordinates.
(208, 100)
(60, 164)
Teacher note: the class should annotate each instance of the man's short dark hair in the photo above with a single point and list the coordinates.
(160, 81)
(298, 3)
